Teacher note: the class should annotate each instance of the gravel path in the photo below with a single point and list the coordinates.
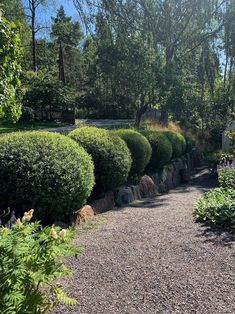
(153, 258)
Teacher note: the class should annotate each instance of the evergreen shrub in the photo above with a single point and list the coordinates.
(161, 149)
(111, 156)
(45, 171)
(178, 143)
(139, 147)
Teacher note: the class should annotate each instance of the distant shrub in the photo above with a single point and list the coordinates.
(27, 114)
(45, 171)
(31, 261)
(178, 143)
(111, 156)
(217, 206)
(161, 149)
(227, 178)
(46, 95)
(139, 147)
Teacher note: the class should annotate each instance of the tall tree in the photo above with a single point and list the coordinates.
(32, 8)
(67, 34)
(178, 28)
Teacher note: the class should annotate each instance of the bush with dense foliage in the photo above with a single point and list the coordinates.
(111, 156)
(46, 95)
(139, 147)
(217, 206)
(30, 263)
(227, 178)
(10, 53)
(178, 143)
(161, 149)
(46, 171)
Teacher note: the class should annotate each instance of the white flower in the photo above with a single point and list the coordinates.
(62, 233)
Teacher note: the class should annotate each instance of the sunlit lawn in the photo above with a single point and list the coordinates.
(7, 127)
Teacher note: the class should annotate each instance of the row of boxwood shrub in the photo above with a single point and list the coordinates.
(45, 171)
(56, 174)
(218, 205)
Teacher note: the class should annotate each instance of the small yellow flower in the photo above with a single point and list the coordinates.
(53, 233)
(62, 233)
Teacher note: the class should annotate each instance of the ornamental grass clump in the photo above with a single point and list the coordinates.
(45, 171)
(30, 264)
(110, 154)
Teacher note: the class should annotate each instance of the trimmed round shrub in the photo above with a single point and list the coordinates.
(139, 147)
(178, 143)
(161, 149)
(111, 156)
(45, 171)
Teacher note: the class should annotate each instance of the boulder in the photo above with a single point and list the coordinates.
(147, 187)
(105, 203)
(124, 196)
(136, 192)
(84, 214)
(185, 175)
(162, 188)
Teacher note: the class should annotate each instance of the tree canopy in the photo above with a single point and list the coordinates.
(123, 57)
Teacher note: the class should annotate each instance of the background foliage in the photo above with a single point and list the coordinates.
(10, 53)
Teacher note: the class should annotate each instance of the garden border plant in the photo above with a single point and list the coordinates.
(111, 156)
(178, 143)
(139, 147)
(30, 265)
(161, 149)
(46, 171)
(218, 207)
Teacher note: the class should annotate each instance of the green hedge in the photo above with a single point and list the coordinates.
(111, 156)
(139, 147)
(45, 171)
(227, 178)
(178, 143)
(161, 149)
(218, 207)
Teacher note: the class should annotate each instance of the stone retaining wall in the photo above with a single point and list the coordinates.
(170, 176)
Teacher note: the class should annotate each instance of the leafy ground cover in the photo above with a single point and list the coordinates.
(218, 205)
(8, 127)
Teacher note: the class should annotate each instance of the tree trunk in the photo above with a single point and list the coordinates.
(33, 38)
(164, 117)
(138, 117)
(61, 63)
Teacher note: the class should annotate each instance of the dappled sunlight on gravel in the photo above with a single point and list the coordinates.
(153, 258)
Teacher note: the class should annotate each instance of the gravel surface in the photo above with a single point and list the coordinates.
(152, 257)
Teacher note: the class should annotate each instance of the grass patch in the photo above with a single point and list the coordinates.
(96, 222)
(8, 127)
